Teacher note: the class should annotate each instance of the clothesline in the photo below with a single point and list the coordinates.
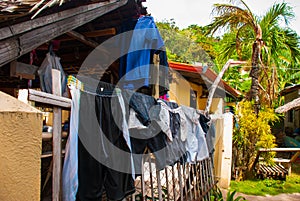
(188, 142)
(81, 86)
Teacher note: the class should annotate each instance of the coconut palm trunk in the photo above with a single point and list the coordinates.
(256, 69)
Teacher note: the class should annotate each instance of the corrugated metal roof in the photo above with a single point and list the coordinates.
(289, 89)
(289, 106)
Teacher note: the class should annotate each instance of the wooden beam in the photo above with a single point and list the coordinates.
(39, 32)
(82, 39)
(29, 25)
(8, 49)
(50, 154)
(295, 156)
(92, 34)
(48, 135)
(50, 99)
(22, 70)
(100, 33)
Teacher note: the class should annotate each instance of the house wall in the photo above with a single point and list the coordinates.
(20, 150)
(180, 92)
(217, 105)
(65, 115)
(295, 113)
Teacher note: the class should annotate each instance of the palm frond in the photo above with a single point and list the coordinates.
(293, 78)
(230, 16)
(277, 12)
(292, 43)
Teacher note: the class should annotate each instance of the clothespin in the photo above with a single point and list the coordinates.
(74, 81)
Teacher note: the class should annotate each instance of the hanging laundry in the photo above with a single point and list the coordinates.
(113, 129)
(45, 73)
(192, 141)
(147, 134)
(145, 39)
(101, 142)
(70, 168)
(164, 76)
(177, 119)
(125, 32)
(211, 139)
(195, 131)
(208, 127)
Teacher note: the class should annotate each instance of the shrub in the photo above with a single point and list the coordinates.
(253, 132)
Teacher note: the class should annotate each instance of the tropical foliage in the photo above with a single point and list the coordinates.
(230, 196)
(269, 48)
(187, 45)
(253, 132)
(272, 52)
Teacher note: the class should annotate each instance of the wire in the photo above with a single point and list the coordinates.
(265, 67)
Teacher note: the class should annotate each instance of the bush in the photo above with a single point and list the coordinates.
(253, 132)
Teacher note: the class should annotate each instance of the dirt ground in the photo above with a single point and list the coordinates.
(280, 197)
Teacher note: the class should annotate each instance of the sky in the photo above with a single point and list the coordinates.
(187, 12)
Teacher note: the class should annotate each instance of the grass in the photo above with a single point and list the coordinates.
(270, 186)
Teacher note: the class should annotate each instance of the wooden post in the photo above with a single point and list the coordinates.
(159, 189)
(56, 175)
(180, 181)
(151, 176)
(143, 179)
(167, 183)
(156, 74)
(173, 183)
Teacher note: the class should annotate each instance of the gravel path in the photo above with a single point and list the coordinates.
(280, 197)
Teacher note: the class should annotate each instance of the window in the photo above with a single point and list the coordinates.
(291, 115)
(193, 99)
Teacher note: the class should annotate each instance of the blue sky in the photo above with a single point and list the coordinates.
(187, 12)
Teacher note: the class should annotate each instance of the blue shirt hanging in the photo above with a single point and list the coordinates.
(145, 38)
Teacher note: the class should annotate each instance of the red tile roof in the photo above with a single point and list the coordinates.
(210, 74)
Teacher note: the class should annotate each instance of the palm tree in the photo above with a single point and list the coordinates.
(280, 49)
(250, 29)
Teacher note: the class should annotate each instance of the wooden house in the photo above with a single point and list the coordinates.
(290, 108)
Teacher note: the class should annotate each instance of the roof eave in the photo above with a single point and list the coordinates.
(210, 74)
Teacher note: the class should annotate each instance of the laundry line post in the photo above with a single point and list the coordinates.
(156, 74)
(214, 86)
(223, 147)
(56, 141)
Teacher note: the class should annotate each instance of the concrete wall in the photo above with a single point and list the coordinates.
(180, 90)
(223, 149)
(20, 150)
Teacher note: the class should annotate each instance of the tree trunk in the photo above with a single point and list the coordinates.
(255, 71)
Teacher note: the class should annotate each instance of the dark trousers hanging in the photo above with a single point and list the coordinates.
(96, 149)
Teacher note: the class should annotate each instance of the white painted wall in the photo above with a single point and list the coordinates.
(223, 149)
